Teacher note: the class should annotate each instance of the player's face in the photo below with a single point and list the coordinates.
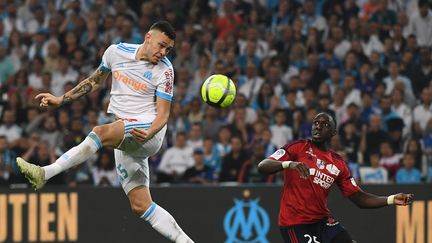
(323, 128)
(158, 46)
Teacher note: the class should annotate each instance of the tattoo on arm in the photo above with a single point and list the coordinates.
(85, 86)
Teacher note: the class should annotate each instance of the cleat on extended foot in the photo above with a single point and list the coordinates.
(34, 173)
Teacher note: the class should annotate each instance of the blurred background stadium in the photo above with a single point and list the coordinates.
(366, 62)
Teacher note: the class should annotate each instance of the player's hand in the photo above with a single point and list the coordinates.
(48, 99)
(141, 135)
(403, 199)
(301, 168)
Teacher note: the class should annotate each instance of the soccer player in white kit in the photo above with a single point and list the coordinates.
(141, 95)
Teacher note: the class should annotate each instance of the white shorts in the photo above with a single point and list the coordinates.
(131, 156)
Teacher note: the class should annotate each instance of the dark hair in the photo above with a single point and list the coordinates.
(164, 27)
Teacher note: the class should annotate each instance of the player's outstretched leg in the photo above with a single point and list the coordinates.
(158, 217)
(108, 135)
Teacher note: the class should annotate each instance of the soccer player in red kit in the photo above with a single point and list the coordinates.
(310, 168)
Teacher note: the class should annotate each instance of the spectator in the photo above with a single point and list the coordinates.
(212, 158)
(420, 24)
(104, 173)
(422, 73)
(281, 133)
(252, 83)
(372, 136)
(386, 112)
(423, 112)
(227, 22)
(367, 108)
(223, 146)
(196, 115)
(353, 95)
(6, 65)
(233, 161)
(9, 172)
(239, 127)
(199, 173)
(389, 159)
(49, 131)
(249, 172)
(402, 110)
(375, 173)
(199, 75)
(394, 77)
(9, 128)
(195, 138)
(408, 174)
(414, 147)
(211, 124)
(242, 102)
(262, 102)
(63, 75)
(175, 160)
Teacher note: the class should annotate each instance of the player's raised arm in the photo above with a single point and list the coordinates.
(270, 166)
(367, 200)
(83, 88)
(163, 107)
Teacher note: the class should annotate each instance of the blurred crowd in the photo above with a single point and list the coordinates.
(365, 62)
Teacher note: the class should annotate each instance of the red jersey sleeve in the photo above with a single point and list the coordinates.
(288, 151)
(345, 181)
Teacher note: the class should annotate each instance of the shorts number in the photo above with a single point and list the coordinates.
(310, 238)
(122, 171)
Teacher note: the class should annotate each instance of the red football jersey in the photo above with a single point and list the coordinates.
(304, 201)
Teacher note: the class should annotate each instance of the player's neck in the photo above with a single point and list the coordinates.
(321, 145)
(140, 54)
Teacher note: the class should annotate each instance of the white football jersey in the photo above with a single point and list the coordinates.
(136, 83)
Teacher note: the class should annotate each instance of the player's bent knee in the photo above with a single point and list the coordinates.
(100, 132)
(139, 208)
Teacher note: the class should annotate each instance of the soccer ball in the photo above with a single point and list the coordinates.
(218, 90)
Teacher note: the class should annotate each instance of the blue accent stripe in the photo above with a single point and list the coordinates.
(149, 211)
(166, 62)
(127, 48)
(130, 129)
(164, 96)
(96, 139)
(135, 124)
(104, 68)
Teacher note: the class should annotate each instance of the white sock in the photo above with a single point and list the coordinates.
(74, 156)
(164, 223)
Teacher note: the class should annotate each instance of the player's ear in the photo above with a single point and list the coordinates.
(147, 36)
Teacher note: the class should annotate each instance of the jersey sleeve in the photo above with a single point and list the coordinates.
(287, 152)
(107, 58)
(164, 89)
(346, 182)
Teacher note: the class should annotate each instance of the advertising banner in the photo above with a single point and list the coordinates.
(209, 214)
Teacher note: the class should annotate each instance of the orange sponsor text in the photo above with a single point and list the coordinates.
(128, 81)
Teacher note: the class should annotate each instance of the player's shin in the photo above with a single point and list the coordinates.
(164, 223)
(74, 156)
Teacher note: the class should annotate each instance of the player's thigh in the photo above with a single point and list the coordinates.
(132, 171)
(343, 237)
(334, 232)
(139, 149)
(300, 234)
(110, 134)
